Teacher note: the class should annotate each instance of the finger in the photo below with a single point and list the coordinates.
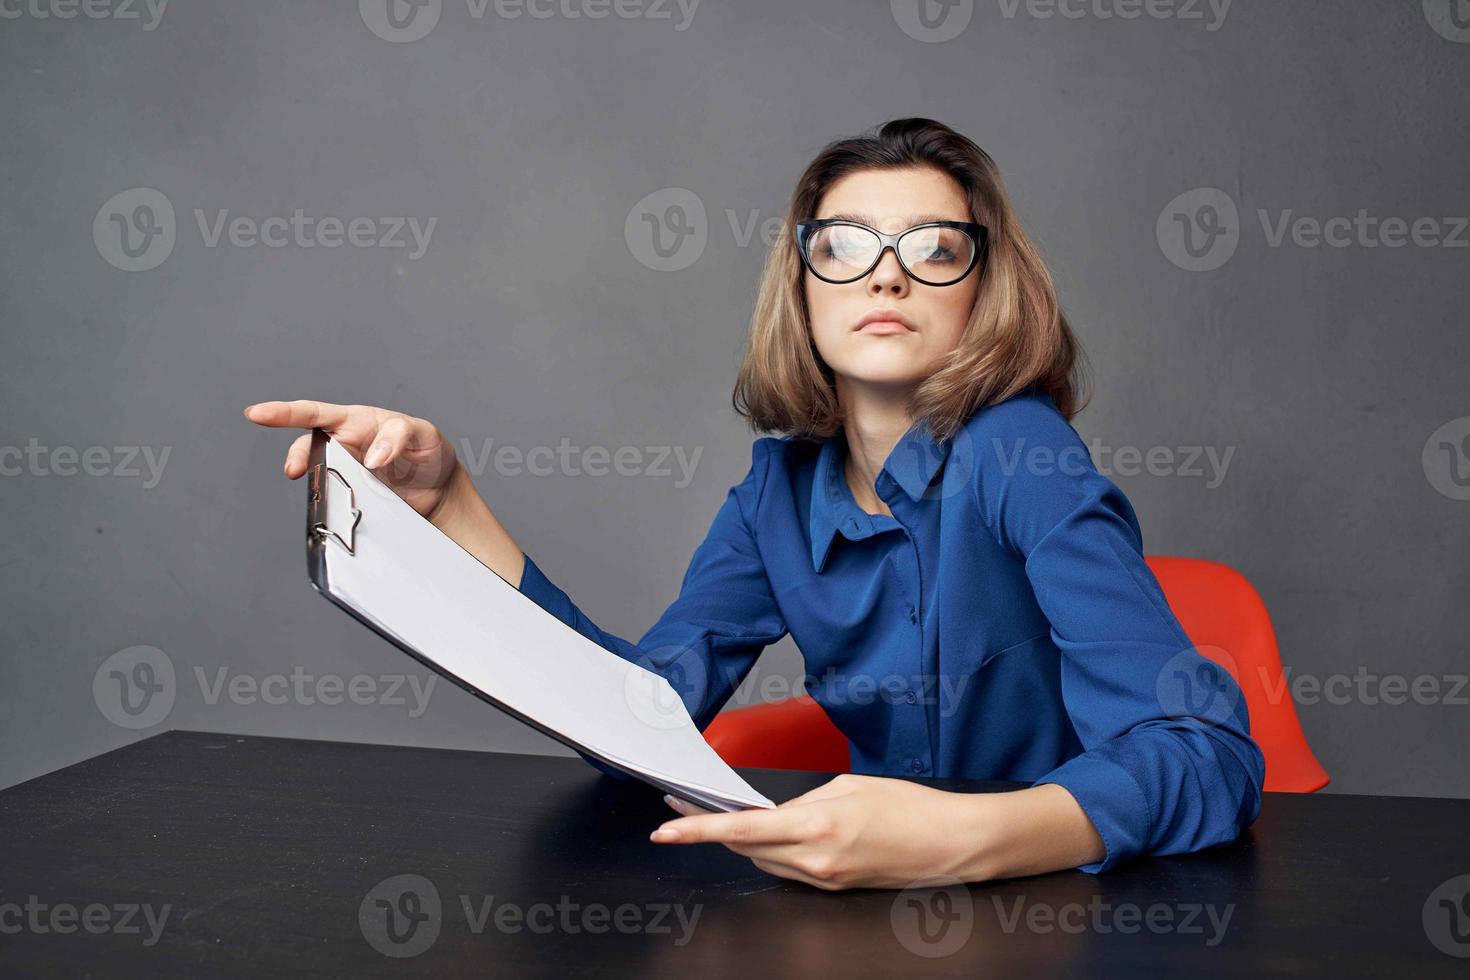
(298, 415)
(684, 806)
(745, 827)
(298, 456)
(388, 444)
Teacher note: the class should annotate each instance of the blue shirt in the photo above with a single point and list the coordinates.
(1002, 624)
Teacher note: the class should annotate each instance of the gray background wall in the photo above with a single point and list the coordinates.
(534, 316)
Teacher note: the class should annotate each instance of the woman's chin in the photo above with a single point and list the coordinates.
(883, 376)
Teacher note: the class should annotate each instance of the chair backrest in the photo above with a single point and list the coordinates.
(1218, 609)
(1221, 611)
(794, 733)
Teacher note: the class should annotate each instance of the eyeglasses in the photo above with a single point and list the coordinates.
(938, 253)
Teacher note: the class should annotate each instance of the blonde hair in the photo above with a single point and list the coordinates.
(1016, 337)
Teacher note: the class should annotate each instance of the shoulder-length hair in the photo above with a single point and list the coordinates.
(1016, 337)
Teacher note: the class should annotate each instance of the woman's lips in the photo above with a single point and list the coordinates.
(884, 328)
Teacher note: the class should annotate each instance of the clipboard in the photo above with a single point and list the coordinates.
(388, 567)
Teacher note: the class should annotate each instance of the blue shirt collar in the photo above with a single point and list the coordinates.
(912, 465)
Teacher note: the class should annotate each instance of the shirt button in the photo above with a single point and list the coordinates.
(911, 698)
(912, 614)
(917, 765)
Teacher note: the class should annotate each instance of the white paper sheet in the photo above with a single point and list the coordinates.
(416, 586)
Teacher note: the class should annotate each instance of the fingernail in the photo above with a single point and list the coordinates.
(376, 455)
(247, 410)
(672, 800)
(664, 835)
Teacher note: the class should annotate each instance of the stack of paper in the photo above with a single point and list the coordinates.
(413, 584)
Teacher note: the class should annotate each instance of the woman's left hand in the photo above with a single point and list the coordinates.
(853, 832)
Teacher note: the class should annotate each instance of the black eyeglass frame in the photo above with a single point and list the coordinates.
(977, 233)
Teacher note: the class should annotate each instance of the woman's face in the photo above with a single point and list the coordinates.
(931, 318)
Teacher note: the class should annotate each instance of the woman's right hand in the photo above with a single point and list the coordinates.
(409, 454)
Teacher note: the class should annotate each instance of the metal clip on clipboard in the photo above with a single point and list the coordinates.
(319, 513)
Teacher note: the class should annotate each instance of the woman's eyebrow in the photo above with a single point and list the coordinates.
(909, 222)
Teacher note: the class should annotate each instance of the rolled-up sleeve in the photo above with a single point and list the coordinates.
(707, 640)
(1168, 764)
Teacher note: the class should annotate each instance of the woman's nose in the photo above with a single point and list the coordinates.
(888, 277)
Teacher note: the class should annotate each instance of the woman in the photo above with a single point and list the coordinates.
(968, 589)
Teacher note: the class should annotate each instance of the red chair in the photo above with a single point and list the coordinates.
(794, 733)
(1218, 609)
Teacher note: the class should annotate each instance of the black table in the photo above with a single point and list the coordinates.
(263, 856)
